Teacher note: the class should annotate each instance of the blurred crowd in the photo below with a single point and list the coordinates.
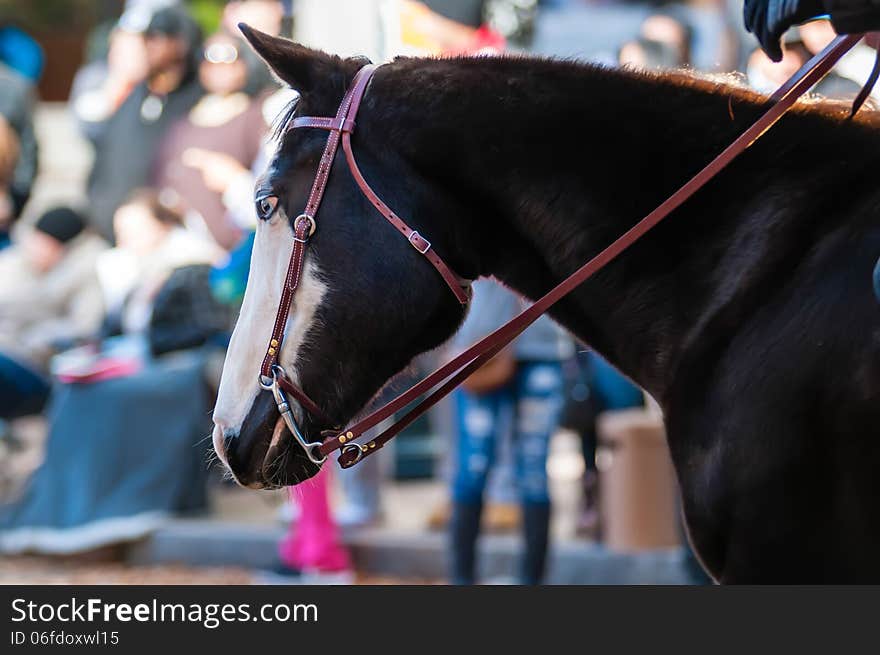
(152, 264)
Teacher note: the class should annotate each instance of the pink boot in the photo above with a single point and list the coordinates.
(312, 544)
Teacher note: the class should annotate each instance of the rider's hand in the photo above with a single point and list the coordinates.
(769, 19)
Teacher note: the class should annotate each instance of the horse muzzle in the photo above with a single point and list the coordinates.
(269, 450)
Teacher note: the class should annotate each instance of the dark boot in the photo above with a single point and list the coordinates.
(536, 521)
(464, 527)
(588, 522)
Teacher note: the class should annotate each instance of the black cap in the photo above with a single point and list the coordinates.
(61, 223)
(174, 22)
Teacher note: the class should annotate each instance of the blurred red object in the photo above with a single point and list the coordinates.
(486, 41)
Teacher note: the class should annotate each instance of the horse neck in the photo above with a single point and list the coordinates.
(557, 160)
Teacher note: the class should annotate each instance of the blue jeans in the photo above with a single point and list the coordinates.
(23, 391)
(525, 410)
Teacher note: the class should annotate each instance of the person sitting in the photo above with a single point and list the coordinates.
(49, 297)
(137, 399)
(151, 242)
(19, 144)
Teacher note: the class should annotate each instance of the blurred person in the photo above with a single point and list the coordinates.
(645, 54)
(226, 123)
(9, 151)
(596, 387)
(148, 413)
(671, 31)
(769, 20)
(317, 24)
(766, 75)
(854, 66)
(444, 28)
(518, 395)
(263, 15)
(151, 243)
(17, 100)
(513, 19)
(125, 152)
(54, 264)
(101, 86)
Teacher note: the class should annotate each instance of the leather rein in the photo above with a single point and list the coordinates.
(273, 377)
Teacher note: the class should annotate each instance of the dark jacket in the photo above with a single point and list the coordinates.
(125, 152)
(848, 16)
(17, 107)
(768, 20)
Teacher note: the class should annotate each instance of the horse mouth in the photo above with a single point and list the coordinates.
(286, 463)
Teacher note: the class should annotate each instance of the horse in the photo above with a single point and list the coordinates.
(748, 315)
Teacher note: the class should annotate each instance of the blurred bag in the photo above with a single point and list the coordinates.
(186, 314)
(492, 375)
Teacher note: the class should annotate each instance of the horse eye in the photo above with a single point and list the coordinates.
(266, 207)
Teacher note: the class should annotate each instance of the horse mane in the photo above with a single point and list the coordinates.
(684, 82)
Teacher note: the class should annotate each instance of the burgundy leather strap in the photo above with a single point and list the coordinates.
(301, 230)
(873, 40)
(301, 397)
(346, 125)
(304, 225)
(467, 362)
(460, 287)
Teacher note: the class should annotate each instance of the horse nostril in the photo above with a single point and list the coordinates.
(222, 439)
(229, 437)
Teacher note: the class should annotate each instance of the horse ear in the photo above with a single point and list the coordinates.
(300, 67)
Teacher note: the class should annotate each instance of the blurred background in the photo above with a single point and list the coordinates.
(130, 135)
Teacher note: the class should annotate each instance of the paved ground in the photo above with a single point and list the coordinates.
(53, 571)
(39, 570)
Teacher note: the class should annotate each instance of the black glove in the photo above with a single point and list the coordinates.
(769, 19)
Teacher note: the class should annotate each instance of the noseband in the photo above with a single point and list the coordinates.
(453, 373)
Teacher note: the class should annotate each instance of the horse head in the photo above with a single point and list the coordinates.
(367, 302)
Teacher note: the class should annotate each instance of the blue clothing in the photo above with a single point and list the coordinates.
(525, 410)
(614, 389)
(229, 280)
(21, 53)
(23, 391)
(877, 280)
(122, 456)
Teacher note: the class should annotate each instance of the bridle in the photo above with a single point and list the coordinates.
(272, 376)
(341, 127)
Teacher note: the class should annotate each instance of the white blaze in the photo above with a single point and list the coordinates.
(239, 384)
